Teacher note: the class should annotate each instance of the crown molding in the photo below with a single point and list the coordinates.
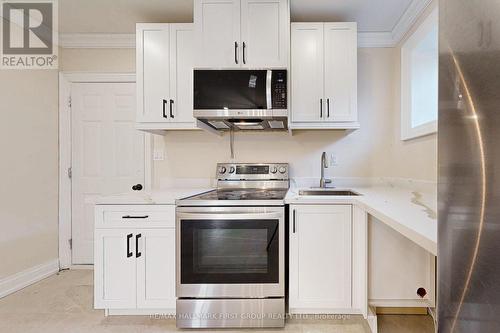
(408, 19)
(97, 41)
(365, 39)
(392, 38)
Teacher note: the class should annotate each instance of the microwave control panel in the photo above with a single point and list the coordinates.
(279, 89)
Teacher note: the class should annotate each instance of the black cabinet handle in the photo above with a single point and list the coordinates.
(129, 254)
(293, 223)
(165, 108)
(236, 52)
(171, 106)
(321, 108)
(328, 108)
(135, 217)
(244, 46)
(137, 253)
(137, 187)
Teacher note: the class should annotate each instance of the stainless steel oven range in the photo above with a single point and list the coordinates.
(231, 250)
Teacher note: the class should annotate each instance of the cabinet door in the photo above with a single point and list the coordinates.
(217, 29)
(320, 259)
(264, 33)
(181, 72)
(340, 71)
(307, 72)
(153, 79)
(114, 269)
(156, 269)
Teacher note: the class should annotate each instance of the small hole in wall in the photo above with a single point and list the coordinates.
(421, 292)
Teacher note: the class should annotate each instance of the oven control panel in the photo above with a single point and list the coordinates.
(252, 171)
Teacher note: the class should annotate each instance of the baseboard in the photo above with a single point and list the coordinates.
(400, 303)
(157, 313)
(18, 281)
(401, 311)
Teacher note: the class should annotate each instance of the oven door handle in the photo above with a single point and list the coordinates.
(228, 216)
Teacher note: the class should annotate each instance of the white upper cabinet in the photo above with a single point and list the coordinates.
(264, 33)
(164, 68)
(340, 68)
(241, 33)
(217, 24)
(324, 76)
(307, 72)
(181, 72)
(153, 81)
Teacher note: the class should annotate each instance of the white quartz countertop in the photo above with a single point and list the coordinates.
(410, 212)
(160, 197)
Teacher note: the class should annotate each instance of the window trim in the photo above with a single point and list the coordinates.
(407, 131)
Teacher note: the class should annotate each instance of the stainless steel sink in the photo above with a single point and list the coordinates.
(330, 192)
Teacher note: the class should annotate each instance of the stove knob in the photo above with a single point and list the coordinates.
(274, 169)
(282, 169)
(222, 170)
(231, 169)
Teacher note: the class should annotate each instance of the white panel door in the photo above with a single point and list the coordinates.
(107, 154)
(340, 71)
(217, 26)
(156, 269)
(264, 33)
(115, 269)
(153, 77)
(307, 72)
(181, 72)
(320, 258)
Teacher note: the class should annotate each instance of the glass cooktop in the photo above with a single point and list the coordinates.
(242, 195)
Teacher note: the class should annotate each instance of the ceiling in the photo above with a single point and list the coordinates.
(120, 16)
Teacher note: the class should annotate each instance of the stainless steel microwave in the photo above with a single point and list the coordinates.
(241, 99)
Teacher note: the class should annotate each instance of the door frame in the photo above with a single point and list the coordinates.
(66, 79)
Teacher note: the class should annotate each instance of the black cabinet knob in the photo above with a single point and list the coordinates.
(137, 187)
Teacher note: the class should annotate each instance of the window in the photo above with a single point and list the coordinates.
(419, 80)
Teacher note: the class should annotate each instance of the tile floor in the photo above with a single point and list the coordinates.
(63, 303)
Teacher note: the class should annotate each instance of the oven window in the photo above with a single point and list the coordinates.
(229, 251)
(230, 89)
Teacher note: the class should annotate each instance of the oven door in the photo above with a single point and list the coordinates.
(230, 252)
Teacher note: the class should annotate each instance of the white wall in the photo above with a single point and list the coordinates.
(29, 165)
(375, 150)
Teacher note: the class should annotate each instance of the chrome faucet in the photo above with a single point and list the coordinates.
(324, 165)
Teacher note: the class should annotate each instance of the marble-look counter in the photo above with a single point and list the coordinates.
(407, 207)
(411, 211)
(160, 197)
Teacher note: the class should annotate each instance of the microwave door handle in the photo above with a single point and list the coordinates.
(229, 216)
(236, 52)
(269, 80)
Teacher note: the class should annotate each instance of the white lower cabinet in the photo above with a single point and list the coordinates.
(320, 259)
(115, 276)
(156, 270)
(134, 268)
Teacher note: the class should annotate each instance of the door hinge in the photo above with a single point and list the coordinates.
(69, 102)
(70, 241)
(70, 172)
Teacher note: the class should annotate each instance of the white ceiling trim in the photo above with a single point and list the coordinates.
(97, 41)
(392, 38)
(365, 39)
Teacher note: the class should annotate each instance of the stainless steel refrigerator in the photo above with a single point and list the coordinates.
(469, 166)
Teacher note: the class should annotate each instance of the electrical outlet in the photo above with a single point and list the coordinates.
(334, 160)
(158, 155)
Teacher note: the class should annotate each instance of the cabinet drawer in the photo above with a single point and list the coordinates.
(137, 216)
